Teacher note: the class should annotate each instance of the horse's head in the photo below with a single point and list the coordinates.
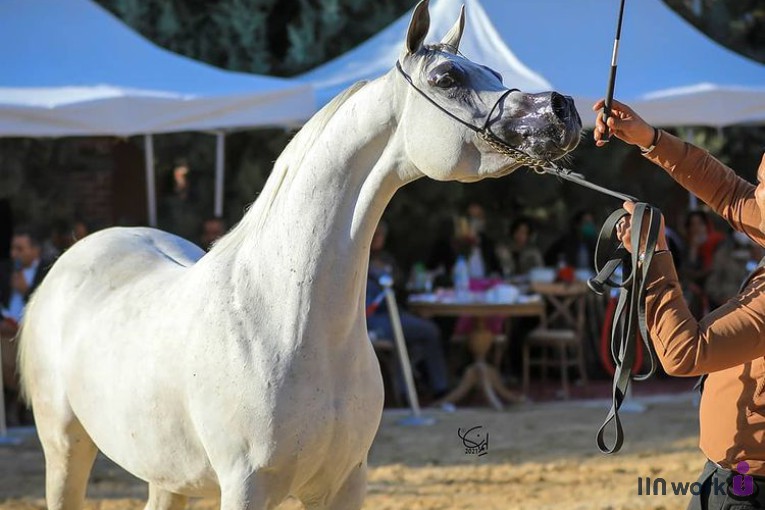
(483, 129)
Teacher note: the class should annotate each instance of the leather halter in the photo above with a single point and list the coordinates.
(540, 166)
(610, 255)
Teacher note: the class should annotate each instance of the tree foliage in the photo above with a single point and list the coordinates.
(281, 38)
(737, 24)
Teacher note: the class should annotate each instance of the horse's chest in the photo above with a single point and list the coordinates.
(340, 417)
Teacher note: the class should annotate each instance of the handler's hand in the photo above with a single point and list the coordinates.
(624, 231)
(624, 123)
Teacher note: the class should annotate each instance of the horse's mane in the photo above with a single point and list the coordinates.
(291, 158)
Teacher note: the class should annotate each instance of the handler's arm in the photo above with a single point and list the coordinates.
(700, 173)
(729, 336)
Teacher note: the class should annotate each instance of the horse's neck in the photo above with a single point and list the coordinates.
(310, 252)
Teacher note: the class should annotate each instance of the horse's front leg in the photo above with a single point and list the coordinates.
(351, 494)
(160, 499)
(260, 490)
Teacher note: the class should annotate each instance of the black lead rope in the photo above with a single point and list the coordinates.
(630, 316)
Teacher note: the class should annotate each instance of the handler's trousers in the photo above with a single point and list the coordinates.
(717, 491)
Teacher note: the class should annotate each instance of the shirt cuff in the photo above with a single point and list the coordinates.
(669, 151)
(661, 273)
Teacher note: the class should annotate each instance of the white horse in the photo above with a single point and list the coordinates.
(247, 374)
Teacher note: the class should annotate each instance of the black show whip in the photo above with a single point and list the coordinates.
(612, 77)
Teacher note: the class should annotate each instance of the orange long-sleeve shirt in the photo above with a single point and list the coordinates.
(729, 343)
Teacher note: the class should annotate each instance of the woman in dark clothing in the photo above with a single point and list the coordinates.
(575, 248)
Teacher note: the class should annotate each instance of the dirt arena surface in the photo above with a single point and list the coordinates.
(540, 456)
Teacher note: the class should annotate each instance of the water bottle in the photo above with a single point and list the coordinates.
(461, 279)
(420, 275)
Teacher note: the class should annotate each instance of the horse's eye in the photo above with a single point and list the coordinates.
(444, 81)
(445, 76)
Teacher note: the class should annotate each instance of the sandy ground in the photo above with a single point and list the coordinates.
(540, 456)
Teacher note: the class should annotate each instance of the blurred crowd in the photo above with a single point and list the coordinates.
(711, 263)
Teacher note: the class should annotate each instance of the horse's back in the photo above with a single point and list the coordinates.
(134, 248)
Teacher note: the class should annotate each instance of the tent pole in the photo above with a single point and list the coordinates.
(693, 202)
(151, 193)
(220, 161)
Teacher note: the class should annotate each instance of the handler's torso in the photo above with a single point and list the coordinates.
(729, 343)
(732, 416)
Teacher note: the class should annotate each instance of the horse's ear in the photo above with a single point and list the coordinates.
(418, 27)
(452, 38)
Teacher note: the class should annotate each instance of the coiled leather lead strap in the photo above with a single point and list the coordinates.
(629, 318)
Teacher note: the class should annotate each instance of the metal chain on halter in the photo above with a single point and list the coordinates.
(544, 167)
(518, 155)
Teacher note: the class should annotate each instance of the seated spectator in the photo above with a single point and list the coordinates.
(702, 241)
(575, 248)
(212, 229)
(735, 258)
(519, 254)
(16, 286)
(443, 254)
(676, 246)
(58, 240)
(80, 229)
(62, 235)
(423, 338)
(28, 271)
(482, 259)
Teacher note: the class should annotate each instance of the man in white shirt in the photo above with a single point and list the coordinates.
(26, 275)
(16, 287)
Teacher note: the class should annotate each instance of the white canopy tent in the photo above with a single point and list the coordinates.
(70, 68)
(670, 72)
(480, 42)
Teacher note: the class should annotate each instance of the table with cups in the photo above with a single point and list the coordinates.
(502, 300)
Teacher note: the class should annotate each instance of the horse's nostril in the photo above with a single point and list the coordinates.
(560, 106)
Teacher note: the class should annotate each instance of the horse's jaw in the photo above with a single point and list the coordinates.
(495, 172)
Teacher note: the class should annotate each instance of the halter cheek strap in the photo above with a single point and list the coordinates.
(468, 125)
